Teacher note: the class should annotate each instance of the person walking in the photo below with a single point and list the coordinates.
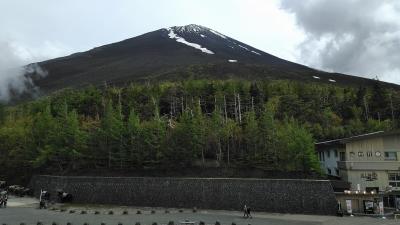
(249, 212)
(245, 215)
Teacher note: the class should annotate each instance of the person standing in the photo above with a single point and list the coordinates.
(245, 215)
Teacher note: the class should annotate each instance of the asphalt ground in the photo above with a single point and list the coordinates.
(25, 210)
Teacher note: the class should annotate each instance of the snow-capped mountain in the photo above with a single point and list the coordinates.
(223, 47)
(177, 53)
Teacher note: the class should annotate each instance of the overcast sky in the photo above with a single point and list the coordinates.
(360, 37)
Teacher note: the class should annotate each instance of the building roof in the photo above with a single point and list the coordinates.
(343, 141)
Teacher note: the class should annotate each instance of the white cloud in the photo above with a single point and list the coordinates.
(13, 60)
(350, 36)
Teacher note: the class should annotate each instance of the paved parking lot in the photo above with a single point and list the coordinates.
(25, 210)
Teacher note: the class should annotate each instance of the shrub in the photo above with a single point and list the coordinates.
(139, 212)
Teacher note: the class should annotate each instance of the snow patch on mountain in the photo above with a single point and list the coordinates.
(315, 77)
(332, 80)
(217, 33)
(179, 39)
(203, 36)
(244, 47)
(232, 60)
(252, 51)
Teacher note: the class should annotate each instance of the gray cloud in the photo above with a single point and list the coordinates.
(350, 36)
(13, 79)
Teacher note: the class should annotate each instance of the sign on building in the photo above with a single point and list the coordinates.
(348, 207)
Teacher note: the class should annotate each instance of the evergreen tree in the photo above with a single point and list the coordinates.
(111, 132)
(379, 102)
(135, 154)
(2, 114)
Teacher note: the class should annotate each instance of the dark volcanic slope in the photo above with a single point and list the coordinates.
(176, 53)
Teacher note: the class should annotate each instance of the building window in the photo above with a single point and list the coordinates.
(321, 156)
(336, 153)
(360, 154)
(329, 171)
(391, 156)
(369, 176)
(328, 153)
(342, 156)
(369, 154)
(394, 179)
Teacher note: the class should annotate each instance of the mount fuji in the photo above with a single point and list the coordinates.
(177, 53)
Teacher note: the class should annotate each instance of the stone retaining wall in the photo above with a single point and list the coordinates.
(270, 195)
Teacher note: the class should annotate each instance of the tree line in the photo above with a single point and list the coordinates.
(270, 125)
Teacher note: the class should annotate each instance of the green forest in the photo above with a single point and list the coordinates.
(268, 125)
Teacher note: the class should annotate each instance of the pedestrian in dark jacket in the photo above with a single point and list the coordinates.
(249, 212)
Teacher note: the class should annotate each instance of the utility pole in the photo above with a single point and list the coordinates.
(236, 111)
(252, 103)
(226, 114)
(240, 113)
(391, 107)
(366, 108)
